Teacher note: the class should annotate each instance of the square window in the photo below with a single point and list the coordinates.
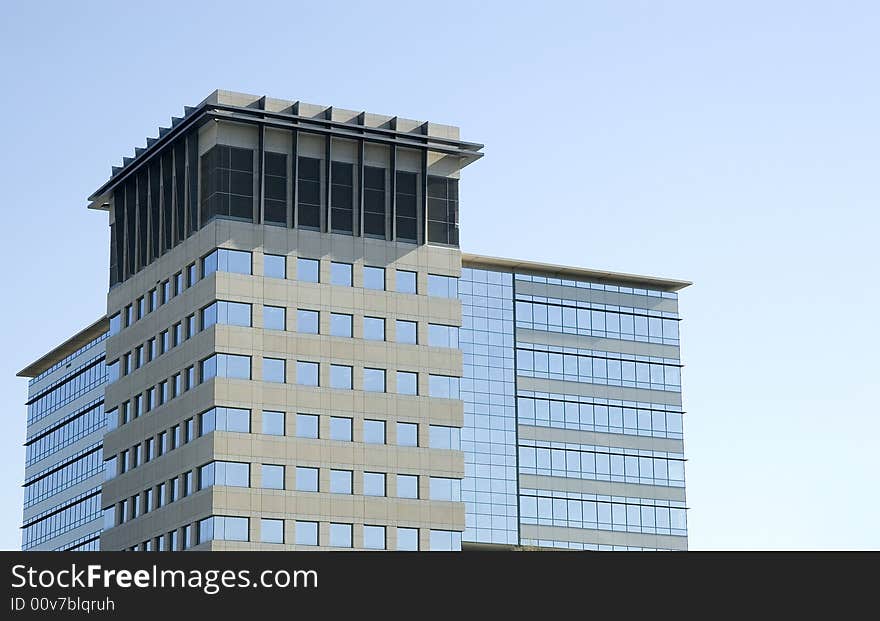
(374, 537)
(374, 484)
(306, 425)
(340, 274)
(374, 278)
(307, 270)
(273, 476)
(340, 376)
(374, 431)
(307, 321)
(442, 336)
(273, 423)
(443, 386)
(306, 533)
(340, 428)
(340, 481)
(374, 380)
(407, 332)
(306, 373)
(274, 317)
(406, 281)
(407, 539)
(442, 286)
(274, 266)
(407, 434)
(407, 486)
(340, 535)
(374, 328)
(445, 540)
(273, 370)
(271, 531)
(340, 325)
(306, 479)
(407, 383)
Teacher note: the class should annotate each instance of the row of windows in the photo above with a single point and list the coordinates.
(274, 318)
(577, 545)
(68, 358)
(75, 426)
(147, 303)
(86, 543)
(152, 348)
(633, 515)
(603, 464)
(228, 179)
(180, 192)
(152, 398)
(600, 368)
(80, 467)
(84, 509)
(340, 428)
(305, 479)
(341, 481)
(306, 533)
(582, 284)
(588, 414)
(72, 386)
(340, 376)
(275, 266)
(341, 324)
(274, 369)
(600, 323)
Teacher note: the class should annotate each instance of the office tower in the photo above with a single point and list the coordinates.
(299, 355)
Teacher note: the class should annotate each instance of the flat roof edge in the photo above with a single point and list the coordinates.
(67, 347)
(563, 271)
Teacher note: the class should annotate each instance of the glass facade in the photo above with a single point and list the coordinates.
(522, 334)
(64, 465)
(488, 389)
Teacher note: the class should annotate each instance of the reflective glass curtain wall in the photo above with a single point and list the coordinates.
(488, 389)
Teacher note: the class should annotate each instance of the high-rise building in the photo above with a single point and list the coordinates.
(298, 355)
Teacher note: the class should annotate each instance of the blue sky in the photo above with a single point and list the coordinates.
(734, 144)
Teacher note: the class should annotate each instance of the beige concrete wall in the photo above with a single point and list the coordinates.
(257, 395)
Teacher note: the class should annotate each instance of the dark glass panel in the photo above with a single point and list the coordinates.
(241, 206)
(154, 209)
(310, 168)
(406, 229)
(309, 192)
(437, 187)
(142, 219)
(276, 164)
(310, 216)
(180, 190)
(131, 223)
(275, 211)
(374, 178)
(240, 159)
(167, 211)
(276, 188)
(241, 183)
(406, 183)
(374, 224)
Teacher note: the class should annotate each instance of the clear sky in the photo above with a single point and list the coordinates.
(734, 144)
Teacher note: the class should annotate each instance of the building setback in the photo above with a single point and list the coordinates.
(296, 354)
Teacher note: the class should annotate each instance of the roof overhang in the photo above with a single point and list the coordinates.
(67, 347)
(212, 108)
(563, 271)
